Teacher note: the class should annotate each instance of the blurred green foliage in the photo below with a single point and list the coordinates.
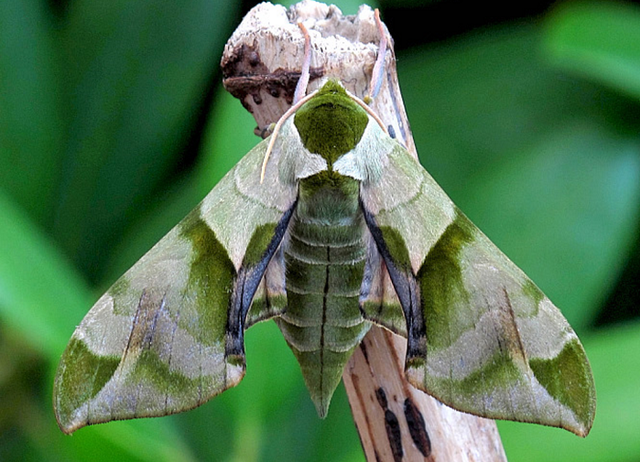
(113, 125)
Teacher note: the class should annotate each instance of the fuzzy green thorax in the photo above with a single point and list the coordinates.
(331, 123)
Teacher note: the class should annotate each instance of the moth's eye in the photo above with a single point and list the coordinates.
(392, 132)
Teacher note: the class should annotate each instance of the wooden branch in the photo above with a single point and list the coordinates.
(261, 65)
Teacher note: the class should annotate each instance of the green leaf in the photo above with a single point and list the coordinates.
(142, 440)
(136, 74)
(41, 295)
(599, 41)
(31, 119)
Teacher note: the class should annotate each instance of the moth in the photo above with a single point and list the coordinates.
(342, 229)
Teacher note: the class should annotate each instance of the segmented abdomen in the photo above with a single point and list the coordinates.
(325, 257)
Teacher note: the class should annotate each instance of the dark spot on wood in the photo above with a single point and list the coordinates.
(274, 91)
(394, 434)
(417, 427)
(247, 106)
(396, 104)
(382, 398)
(244, 73)
(363, 348)
(391, 425)
(242, 61)
(358, 390)
(378, 459)
(254, 58)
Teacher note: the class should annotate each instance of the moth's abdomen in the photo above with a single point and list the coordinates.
(325, 258)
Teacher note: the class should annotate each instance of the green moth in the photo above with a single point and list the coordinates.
(344, 228)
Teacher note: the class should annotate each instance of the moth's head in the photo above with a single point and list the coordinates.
(331, 123)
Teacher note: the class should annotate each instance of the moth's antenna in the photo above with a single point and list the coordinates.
(298, 97)
(378, 67)
(303, 82)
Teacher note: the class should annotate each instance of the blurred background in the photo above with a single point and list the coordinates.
(114, 124)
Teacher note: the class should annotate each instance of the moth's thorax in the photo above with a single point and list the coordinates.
(331, 123)
(328, 197)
